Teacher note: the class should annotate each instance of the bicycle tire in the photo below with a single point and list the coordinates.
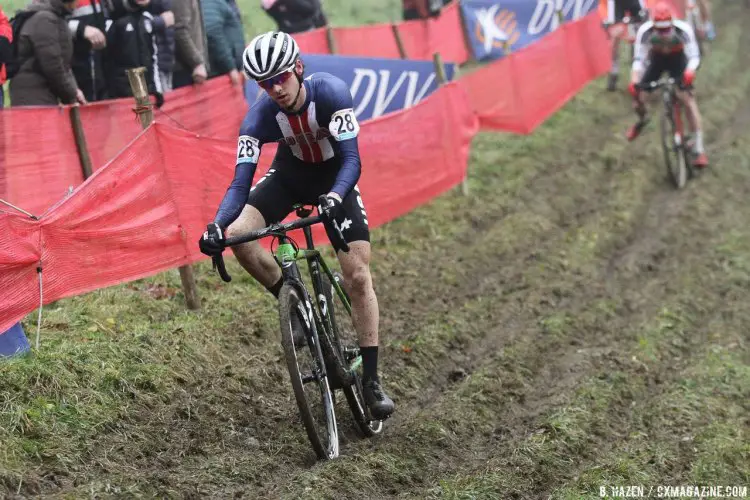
(673, 157)
(290, 302)
(354, 392)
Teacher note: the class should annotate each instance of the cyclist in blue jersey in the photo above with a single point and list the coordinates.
(313, 121)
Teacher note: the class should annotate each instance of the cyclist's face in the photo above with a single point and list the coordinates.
(283, 87)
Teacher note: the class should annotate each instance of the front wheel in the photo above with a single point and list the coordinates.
(348, 344)
(674, 159)
(307, 372)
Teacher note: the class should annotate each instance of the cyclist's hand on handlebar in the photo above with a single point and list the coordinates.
(213, 241)
(633, 88)
(688, 77)
(329, 205)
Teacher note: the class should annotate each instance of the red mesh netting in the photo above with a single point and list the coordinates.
(375, 40)
(38, 157)
(144, 212)
(313, 42)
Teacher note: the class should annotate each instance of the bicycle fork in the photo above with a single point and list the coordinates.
(286, 255)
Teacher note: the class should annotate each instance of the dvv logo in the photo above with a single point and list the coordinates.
(495, 27)
(383, 91)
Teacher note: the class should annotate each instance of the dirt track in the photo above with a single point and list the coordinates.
(533, 330)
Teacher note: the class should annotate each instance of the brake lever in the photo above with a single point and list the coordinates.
(218, 264)
(332, 224)
(342, 242)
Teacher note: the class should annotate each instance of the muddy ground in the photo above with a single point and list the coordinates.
(574, 322)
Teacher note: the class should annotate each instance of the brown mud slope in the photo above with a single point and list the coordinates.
(574, 322)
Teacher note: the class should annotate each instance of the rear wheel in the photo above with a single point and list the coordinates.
(672, 147)
(347, 341)
(307, 373)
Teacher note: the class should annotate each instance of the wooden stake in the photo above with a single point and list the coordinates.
(437, 60)
(331, 40)
(80, 138)
(399, 41)
(137, 79)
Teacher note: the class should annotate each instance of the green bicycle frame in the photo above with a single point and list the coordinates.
(286, 254)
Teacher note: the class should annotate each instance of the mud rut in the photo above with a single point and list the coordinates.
(588, 229)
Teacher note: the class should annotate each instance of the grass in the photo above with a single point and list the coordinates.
(577, 324)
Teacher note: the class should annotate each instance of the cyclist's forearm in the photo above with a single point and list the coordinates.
(351, 168)
(236, 196)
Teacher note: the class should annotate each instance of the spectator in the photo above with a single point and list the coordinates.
(220, 21)
(190, 44)
(6, 35)
(45, 49)
(87, 25)
(161, 10)
(131, 44)
(422, 9)
(295, 16)
(237, 34)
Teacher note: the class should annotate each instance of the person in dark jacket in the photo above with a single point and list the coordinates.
(161, 10)
(87, 24)
(45, 49)
(190, 52)
(295, 16)
(237, 34)
(131, 44)
(219, 21)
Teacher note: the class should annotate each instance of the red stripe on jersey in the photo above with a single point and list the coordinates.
(316, 151)
(296, 124)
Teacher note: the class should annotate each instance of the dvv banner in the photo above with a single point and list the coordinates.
(378, 86)
(492, 25)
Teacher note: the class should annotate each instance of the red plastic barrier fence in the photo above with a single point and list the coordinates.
(144, 212)
(446, 35)
(38, 143)
(520, 91)
(374, 40)
(38, 157)
(313, 42)
(421, 39)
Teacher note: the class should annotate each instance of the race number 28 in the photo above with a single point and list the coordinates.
(248, 150)
(344, 125)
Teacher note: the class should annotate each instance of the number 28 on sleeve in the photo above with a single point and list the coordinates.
(344, 125)
(248, 150)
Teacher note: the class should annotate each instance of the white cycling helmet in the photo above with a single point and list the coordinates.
(269, 54)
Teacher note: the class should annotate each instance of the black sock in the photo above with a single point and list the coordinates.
(276, 288)
(370, 362)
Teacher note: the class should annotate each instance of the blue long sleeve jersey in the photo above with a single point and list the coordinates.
(323, 133)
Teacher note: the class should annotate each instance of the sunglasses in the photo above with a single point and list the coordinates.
(279, 79)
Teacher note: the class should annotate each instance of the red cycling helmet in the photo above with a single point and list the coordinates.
(662, 16)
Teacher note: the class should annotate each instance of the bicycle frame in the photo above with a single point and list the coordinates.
(672, 118)
(287, 256)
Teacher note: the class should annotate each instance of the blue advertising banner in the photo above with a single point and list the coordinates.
(378, 86)
(493, 24)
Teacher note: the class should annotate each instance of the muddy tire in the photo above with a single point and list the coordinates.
(674, 157)
(347, 343)
(305, 365)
